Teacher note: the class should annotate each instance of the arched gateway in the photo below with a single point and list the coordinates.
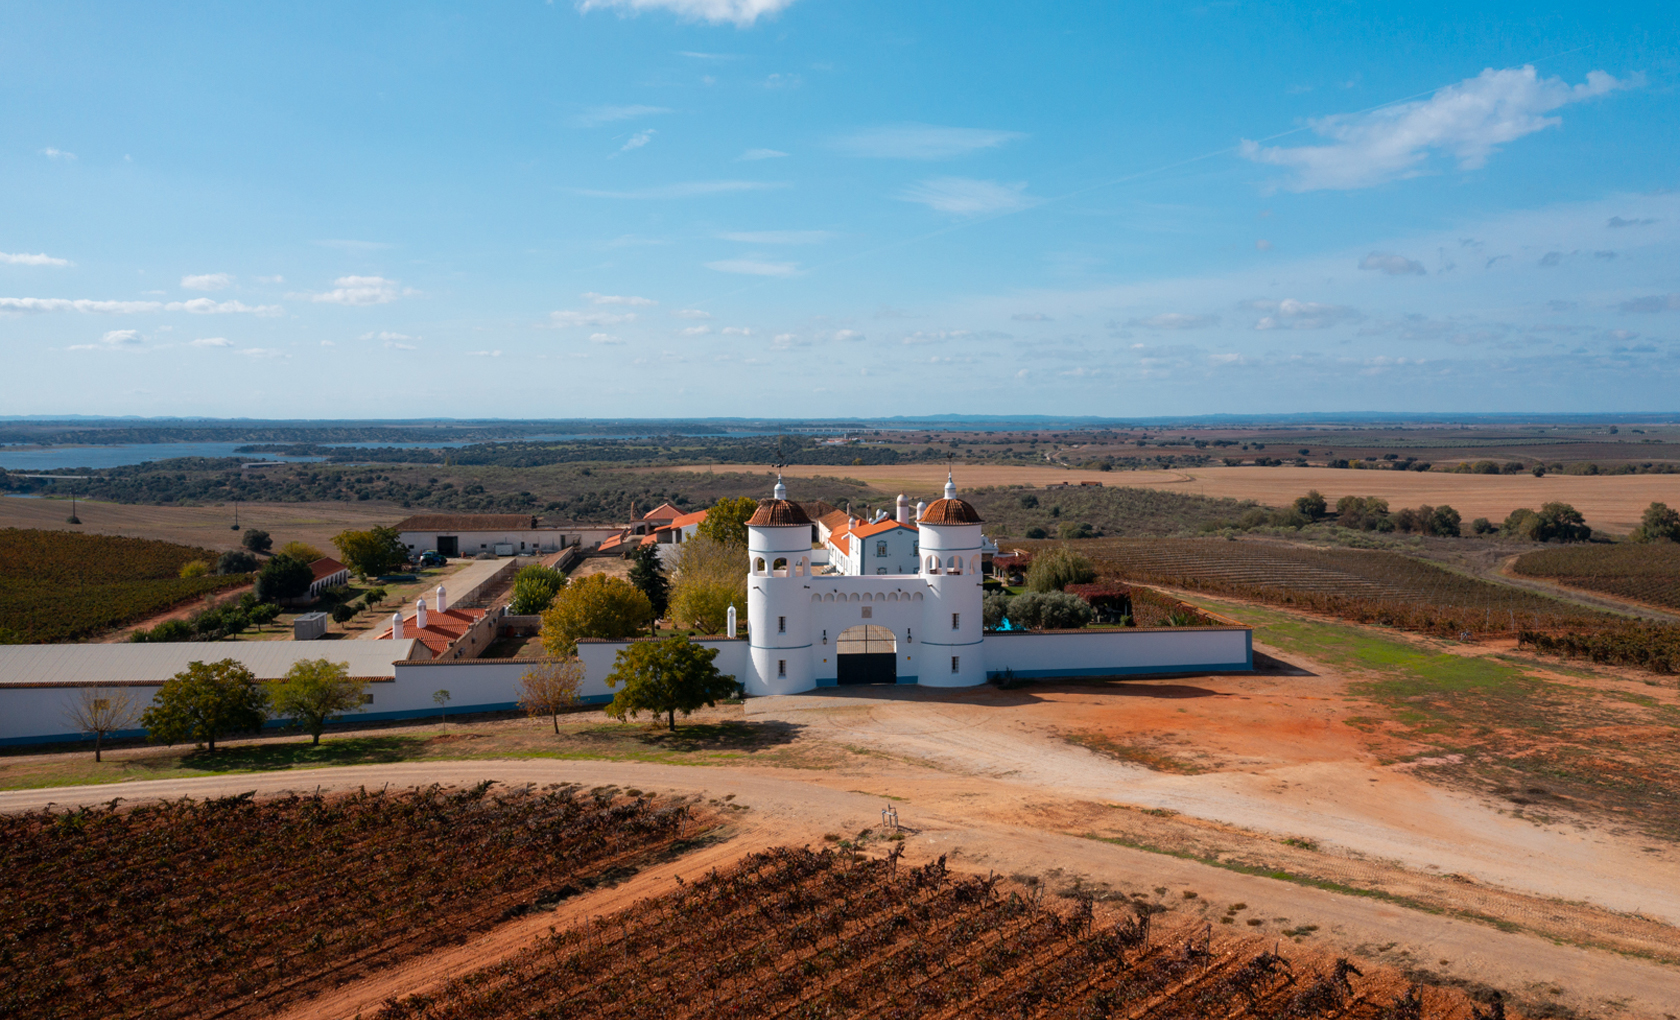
(866, 654)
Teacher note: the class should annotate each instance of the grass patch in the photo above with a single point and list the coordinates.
(1132, 754)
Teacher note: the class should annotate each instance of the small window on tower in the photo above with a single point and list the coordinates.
(956, 664)
(781, 625)
(781, 667)
(956, 621)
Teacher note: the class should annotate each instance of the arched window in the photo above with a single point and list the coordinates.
(918, 596)
(758, 565)
(816, 598)
(779, 568)
(829, 597)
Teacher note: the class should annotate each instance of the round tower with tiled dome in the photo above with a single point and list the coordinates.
(951, 652)
(778, 597)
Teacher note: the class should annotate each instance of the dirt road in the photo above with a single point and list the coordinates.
(794, 807)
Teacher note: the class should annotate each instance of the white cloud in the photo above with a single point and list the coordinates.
(694, 331)
(755, 267)
(197, 306)
(616, 299)
(920, 141)
(736, 331)
(328, 343)
(22, 259)
(638, 140)
(846, 335)
(120, 336)
(686, 189)
(1292, 314)
(263, 352)
(211, 341)
(741, 13)
(271, 279)
(1653, 303)
(1466, 121)
(1030, 317)
(691, 313)
(966, 197)
(567, 319)
(386, 336)
(358, 290)
(52, 153)
(935, 336)
(605, 339)
(207, 281)
(608, 114)
(1390, 264)
(1175, 320)
(397, 345)
(777, 236)
(787, 341)
(783, 81)
(756, 154)
(486, 354)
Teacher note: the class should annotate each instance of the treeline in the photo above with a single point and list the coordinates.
(1553, 522)
(1080, 511)
(65, 434)
(664, 449)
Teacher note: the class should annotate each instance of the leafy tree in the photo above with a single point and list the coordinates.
(726, 521)
(1659, 524)
(1070, 530)
(1036, 532)
(263, 613)
(343, 613)
(1445, 522)
(236, 561)
(1048, 610)
(649, 579)
(550, 688)
(283, 578)
(1311, 506)
(372, 552)
(534, 588)
(203, 702)
(710, 577)
(313, 693)
(1363, 513)
(1055, 569)
(256, 540)
(1482, 526)
(302, 551)
(101, 712)
(993, 609)
(596, 606)
(667, 677)
(1564, 523)
(1522, 523)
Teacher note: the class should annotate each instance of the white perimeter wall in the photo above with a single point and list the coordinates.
(1120, 651)
(598, 658)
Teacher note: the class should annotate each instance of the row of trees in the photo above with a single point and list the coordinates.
(208, 701)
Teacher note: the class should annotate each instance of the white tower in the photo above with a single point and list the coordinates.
(779, 597)
(951, 652)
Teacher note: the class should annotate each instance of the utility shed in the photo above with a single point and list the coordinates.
(309, 627)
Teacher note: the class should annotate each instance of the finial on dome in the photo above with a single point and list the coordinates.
(781, 490)
(950, 486)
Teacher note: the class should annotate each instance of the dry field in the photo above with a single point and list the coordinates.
(207, 526)
(1611, 503)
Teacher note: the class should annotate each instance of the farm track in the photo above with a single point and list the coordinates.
(796, 808)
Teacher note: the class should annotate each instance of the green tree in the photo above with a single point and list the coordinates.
(263, 613)
(667, 677)
(1659, 524)
(372, 552)
(203, 702)
(1445, 522)
(302, 551)
(1522, 523)
(1563, 522)
(314, 692)
(283, 578)
(534, 588)
(236, 561)
(550, 688)
(650, 580)
(726, 521)
(1055, 569)
(710, 577)
(1311, 506)
(596, 606)
(256, 540)
(1049, 610)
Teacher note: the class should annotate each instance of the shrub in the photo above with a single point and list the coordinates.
(236, 562)
(1070, 530)
(342, 613)
(195, 568)
(1311, 506)
(1036, 532)
(302, 551)
(534, 588)
(1659, 524)
(1482, 526)
(1049, 610)
(256, 540)
(1055, 569)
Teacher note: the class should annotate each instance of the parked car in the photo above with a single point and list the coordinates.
(433, 558)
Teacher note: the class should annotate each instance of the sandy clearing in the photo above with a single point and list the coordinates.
(788, 807)
(207, 526)
(1609, 502)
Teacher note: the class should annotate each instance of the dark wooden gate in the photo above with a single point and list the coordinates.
(866, 654)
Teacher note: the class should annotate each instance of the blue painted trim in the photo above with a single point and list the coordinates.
(947, 644)
(835, 682)
(782, 648)
(1172, 670)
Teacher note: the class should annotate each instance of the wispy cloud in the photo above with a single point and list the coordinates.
(566, 319)
(1292, 314)
(263, 353)
(386, 336)
(691, 313)
(736, 331)
(694, 331)
(211, 341)
(358, 290)
(755, 267)
(741, 13)
(599, 115)
(1390, 264)
(686, 189)
(1175, 320)
(967, 197)
(22, 259)
(606, 339)
(920, 141)
(206, 281)
(616, 299)
(1030, 317)
(197, 306)
(935, 336)
(485, 354)
(52, 153)
(1467, 121)
(1652, 303)
(112, 340)
(398, 345)
(1617, 222)
(777, 236)
(637, 140)
(756, 154)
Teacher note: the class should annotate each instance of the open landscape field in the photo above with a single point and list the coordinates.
(207, 526)
(1647, 573)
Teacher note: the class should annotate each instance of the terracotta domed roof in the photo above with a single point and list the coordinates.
(778, 513)
(950, 510)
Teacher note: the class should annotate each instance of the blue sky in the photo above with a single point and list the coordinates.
(816, 207)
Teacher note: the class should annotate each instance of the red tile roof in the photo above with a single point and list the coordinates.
(778, 513)
(662, 512)
(326, 566)
(441, 630)
(950, 511)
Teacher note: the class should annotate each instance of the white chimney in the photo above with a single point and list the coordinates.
(730, 627)
(396, 627)
(420, 613)
(921, 509)
(903, 509)
(442, 599)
